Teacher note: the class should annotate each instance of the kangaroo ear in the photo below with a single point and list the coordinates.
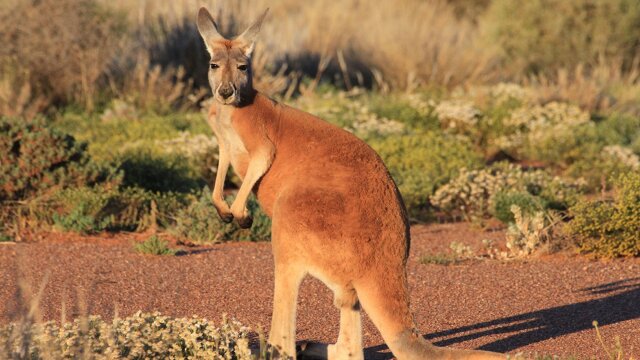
(207, 27)
(248, 37)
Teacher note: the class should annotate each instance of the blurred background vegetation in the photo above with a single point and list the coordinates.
(476, 106)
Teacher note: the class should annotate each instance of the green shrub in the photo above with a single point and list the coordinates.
(199, 222)
(438, 259)
(504, 200)
(158, 153)
(140, 336)
(84, 219)
(607, 163)
(154, 246)
(610, 228)
(565, 138)
(620, 129)
(550, 133)
(89, 210)
(159, 172)
(544, 35)
(412, 110)
(459, 117)
(112, 134)
(526, 233)
(4, 237)
(420, 163)
(35, 157)
(473, 193)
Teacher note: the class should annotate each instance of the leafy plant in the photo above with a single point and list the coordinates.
(420, 163)
(473, 193)
(83, 219)
(547, 133)
(36, 157)
(596, 168)
(503, 202)
(610, 228)
(158, 172)
(140, 336)
(154, 246)
(527, 233)
(438, 259)
(200, 223)
(89, 210)
(409, 109)
(459, 253)
(4, 237)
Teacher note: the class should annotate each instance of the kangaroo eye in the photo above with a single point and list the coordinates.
(214, 66)
(242, 67)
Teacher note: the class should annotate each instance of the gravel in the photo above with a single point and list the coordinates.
(543, 305)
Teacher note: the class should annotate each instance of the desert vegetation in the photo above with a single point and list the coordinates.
(485, 111)
(473, 112)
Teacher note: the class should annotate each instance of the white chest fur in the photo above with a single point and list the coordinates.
(228, 136)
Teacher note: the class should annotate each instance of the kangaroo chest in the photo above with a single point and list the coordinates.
(229, 138)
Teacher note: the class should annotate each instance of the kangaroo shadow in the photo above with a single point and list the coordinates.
(621, 303)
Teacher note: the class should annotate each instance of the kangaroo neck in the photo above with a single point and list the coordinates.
(224, 111)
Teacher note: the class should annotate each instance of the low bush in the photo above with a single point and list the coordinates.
(610, 228)
(598, 169)
(88, 210)
(459, 117)
(158, 153)
(543, 133)
(4, 236)
(159, 172)
(140, 336)
(118, 130)
(474, 193)
(154, 246)
(438, 259)
(36, 157)
(420, 163)
(199, 223)
(412, 110)
(503, 202)
(526, 233)
(367, 116)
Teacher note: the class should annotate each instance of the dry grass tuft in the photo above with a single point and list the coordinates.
(603, 87)
(64, 47)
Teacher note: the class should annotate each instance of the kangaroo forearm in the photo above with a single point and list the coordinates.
(221, 174)
(258, 166)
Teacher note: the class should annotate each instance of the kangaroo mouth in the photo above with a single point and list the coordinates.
(231, 100)
(228, 96)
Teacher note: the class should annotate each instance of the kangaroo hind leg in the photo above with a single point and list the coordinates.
(283, 323)
(349, 344)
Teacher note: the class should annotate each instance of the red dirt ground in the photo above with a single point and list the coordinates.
(544, 305)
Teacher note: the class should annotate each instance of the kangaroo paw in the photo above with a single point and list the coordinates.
(226, 217)
(245, 222)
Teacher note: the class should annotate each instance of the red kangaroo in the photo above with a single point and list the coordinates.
(336, 212)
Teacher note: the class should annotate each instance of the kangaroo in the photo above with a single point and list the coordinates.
(336, 212)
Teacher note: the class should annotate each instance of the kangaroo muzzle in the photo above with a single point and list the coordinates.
(226, 93)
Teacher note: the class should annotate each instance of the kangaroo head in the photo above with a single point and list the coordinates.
(230, 73)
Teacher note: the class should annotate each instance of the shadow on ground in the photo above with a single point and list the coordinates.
(620, 303)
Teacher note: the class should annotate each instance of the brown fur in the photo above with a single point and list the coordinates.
(337, 215)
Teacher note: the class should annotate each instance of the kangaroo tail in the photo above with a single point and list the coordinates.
(384, 296)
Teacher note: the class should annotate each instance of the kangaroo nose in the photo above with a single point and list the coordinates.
(225, 91)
